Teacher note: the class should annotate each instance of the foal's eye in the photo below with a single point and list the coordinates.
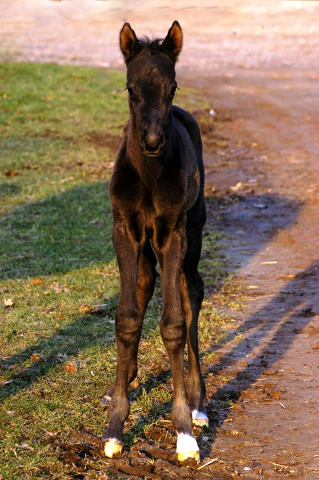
(173, 90)
(133, 96)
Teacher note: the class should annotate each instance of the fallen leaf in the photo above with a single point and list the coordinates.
(135, 383)
(236, 406)
(50, 434)
(35, 357)
(71, 367)
(8, 302)
(37, 392)
(37, 281)
(236, 187)
(11, 173)
(56, 287)
(66, 179)
(84, 308)
(25, 445)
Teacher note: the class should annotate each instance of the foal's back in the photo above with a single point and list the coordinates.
(190, 124)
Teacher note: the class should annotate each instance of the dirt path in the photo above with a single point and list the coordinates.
(266, 198)
(257, 65)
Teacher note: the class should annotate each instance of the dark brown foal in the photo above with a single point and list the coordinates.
(158, 206)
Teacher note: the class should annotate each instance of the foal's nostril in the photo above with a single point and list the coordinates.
(153, 140)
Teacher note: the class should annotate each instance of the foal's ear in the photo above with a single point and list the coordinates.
(173, 42)
(129, 43)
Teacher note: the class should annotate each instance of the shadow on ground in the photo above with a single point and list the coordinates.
(61, 233)
(280, 320)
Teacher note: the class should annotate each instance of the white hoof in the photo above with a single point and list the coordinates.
(187, 448)
(200, 419)
(113, 448)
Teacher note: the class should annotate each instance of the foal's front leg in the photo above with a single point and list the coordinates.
(145, 287)
(128, 324)
(171, 248)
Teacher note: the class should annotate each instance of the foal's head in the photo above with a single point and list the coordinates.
(151, 84)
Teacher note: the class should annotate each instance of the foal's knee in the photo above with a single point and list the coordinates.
(173, 332)
(128, 325)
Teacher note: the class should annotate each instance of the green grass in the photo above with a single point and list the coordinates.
(59, 127)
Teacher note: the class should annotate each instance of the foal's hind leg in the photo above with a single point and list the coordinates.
(192, 292)
(145, 287)
(192, 295)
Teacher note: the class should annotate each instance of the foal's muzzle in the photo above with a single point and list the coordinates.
(152, 143)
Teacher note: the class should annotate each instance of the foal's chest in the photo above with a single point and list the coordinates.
(153, 195)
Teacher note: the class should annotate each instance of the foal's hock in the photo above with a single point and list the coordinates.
(159, 211)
